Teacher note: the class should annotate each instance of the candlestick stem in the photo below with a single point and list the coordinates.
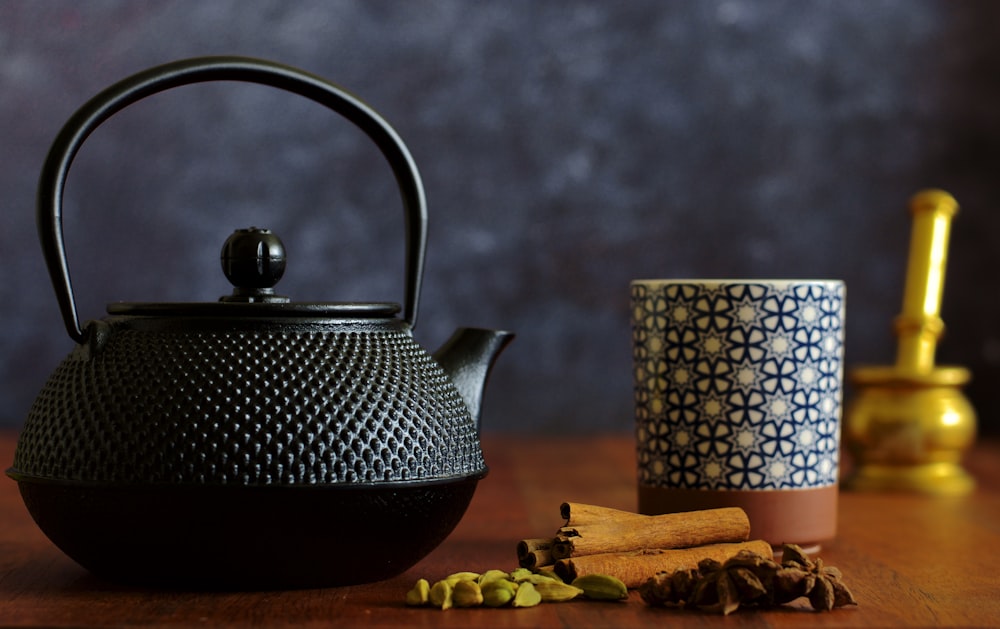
(919, 325)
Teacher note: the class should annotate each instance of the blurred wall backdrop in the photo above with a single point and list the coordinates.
(566, 147)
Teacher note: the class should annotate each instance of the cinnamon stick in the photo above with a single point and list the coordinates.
(594, 530)
(634, 568)
(579, 514)
(533, 553)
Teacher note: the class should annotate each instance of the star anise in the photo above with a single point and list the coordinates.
(750, 580)
(670, 588)
(827, 590)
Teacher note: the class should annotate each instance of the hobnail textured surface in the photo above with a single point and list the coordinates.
(250, 407)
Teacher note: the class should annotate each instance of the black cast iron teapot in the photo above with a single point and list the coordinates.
(254, 442)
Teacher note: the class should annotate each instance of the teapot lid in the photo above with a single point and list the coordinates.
(253, 260)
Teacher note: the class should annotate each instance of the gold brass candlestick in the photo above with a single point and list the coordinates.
(910, 423)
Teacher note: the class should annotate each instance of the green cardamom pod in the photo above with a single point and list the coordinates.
(553, 592)
(550, 573)
(461, 576)
(467, 594)
(601, 587)
(498, 592)
(419, 594)
(441, 595)
(535, 579)
(490, 575)
(527, 596)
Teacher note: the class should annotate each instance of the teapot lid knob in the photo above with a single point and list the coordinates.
(253, 260)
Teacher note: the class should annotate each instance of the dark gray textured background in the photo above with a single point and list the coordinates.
(565, 147)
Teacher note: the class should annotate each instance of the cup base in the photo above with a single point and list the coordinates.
(806, 517)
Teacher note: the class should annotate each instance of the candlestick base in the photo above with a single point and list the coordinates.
(908, 431)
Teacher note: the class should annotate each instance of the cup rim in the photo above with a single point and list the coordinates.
(778, 283)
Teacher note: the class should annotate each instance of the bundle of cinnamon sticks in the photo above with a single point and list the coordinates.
(633, 547)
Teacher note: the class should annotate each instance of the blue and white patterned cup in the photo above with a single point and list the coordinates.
(738, 390)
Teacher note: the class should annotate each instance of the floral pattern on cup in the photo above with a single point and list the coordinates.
(738, 384)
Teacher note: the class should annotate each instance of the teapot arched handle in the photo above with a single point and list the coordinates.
(87, 118)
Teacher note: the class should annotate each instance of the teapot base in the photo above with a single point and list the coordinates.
(246, 537)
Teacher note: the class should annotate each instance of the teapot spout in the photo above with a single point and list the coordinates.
(467, 357)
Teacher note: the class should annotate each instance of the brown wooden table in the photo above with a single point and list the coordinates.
(910, 560)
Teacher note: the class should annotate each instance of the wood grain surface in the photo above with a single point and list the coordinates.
(910, 560)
